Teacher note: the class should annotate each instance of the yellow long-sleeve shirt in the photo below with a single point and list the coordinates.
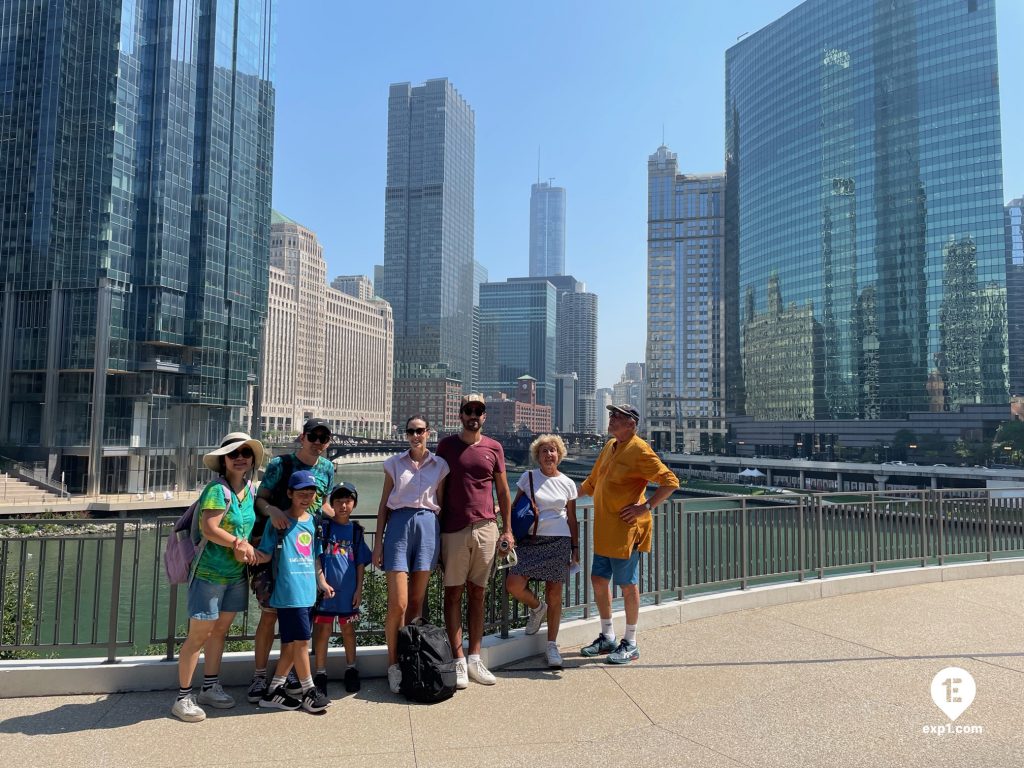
(619, 478)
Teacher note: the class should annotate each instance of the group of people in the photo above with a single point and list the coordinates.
(294, 544)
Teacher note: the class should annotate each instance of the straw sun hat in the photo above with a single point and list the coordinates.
(230, 442)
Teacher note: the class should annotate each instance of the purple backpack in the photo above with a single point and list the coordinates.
(185, 543)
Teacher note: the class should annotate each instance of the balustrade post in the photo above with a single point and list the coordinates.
(115, 593)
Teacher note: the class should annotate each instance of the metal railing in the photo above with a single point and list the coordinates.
(86, 586)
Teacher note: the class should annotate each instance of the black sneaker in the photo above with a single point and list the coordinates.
(279, 699)
(257, 689)
(292, 686)
(351, 679)
(314, 701)
(320, 683)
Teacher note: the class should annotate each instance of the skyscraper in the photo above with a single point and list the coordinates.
(1014, 231)
(868, 237)
(428, 273)
(685, 306)
(517, 337)
(547, 230)
(576, 343)
(134, 225)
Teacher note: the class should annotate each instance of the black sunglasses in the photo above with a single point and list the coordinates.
(416, 430)
(245, 452)
(474, 411)
(318, 437)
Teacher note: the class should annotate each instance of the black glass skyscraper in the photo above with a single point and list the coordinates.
(428, 274)
(135, 189)
(864, 212)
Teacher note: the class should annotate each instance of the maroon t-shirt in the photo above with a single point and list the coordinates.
(469, 488)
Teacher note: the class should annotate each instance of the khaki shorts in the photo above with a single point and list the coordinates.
(468, 554)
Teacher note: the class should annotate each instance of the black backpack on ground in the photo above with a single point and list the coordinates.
(425, 658)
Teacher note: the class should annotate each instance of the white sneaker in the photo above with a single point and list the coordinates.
(395, 678)
(186, 709)
(461, 675)
(216, 697)
(537, 617)
(554, 657)
(481, 674)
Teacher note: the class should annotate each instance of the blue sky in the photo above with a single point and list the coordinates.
(592, 84)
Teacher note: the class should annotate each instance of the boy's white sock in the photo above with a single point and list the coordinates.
(474, 657)
(321, 670)
(306, 683)
(277, 681)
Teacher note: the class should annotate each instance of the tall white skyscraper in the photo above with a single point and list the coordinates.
(547, 230)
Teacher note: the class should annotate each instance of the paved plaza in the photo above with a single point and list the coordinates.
(841, 681)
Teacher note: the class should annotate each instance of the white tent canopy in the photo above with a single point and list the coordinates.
(751, 473)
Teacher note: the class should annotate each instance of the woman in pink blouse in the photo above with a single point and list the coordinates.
(408, 533)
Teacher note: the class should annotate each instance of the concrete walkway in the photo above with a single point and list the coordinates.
(842, 681)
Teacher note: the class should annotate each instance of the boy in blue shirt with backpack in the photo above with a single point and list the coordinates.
(343, 559)
(294, 553)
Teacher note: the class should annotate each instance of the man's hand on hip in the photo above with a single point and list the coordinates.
(632, 512)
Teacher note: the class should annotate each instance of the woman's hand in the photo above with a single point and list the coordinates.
(378, 554)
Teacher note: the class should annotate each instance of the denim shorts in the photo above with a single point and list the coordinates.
(625, 570)
(294, 624)
(412, 540)
(206, 600)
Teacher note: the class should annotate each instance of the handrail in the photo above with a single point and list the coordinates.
(100, 586)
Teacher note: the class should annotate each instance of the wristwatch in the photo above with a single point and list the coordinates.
(649, 507)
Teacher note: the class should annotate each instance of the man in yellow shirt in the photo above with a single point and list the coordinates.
(622, 525)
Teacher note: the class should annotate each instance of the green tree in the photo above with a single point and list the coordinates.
(11, 618)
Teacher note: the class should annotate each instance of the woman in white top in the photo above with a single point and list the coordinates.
(408, 533)
(547, 555)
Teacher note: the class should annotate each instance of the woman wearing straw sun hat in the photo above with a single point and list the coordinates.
(218, 588)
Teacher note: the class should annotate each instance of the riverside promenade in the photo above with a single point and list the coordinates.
(825, 682)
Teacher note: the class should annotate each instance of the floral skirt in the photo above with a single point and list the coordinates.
(545, 558)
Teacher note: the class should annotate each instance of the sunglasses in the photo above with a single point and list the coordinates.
(318, 437)
(245, 453)
(473, 411)
(416, 430)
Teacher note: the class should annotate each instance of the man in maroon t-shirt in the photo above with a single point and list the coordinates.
(469, 531)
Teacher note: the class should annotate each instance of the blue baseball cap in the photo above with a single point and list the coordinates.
(301, 479)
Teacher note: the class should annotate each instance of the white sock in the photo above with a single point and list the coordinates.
(474, 657)
(630, 634)
(541, 606)
(553, 644)
(322, 671)
(608, 629)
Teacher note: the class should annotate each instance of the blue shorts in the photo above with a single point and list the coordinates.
(625, 570)
(206, 600)
(412, 540)
(294, 624)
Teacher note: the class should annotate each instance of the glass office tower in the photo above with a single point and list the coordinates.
(429, 272)
(685, 311)
(135, 190)
(518, 320)
(547, 230)
(864, 212)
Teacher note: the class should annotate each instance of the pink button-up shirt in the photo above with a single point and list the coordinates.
(415, 487)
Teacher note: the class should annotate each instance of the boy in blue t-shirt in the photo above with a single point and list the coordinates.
(294, 553)
(343, 560)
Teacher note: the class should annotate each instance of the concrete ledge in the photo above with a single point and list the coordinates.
(46, 677)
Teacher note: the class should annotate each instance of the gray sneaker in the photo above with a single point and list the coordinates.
(537, 617)
(601, 645)
(186, 709)
(625, 653)
(216, 697)
(554, 657)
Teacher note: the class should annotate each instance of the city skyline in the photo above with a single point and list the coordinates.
(598, 122)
